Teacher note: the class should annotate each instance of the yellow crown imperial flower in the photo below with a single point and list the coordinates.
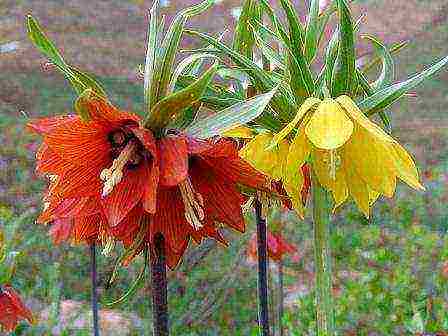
(350, 155)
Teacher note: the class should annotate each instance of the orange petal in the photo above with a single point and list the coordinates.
(173, 155)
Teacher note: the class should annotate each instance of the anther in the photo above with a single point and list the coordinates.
(113, 175)
(193, 204)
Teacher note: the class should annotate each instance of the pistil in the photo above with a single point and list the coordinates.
(193, 203)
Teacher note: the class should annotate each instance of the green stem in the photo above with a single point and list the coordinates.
(322, 260)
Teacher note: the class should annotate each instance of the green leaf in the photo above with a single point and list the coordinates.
(369, 91)
(275, 22)
(134, 286)
(184, 65)
(154, 35)
(79, 80)
(261, 79)
(387, 96)
(169, 107)
(393, 49)
(312, 31)
(243, 40)
(344, 76)
(236, 115)
(331, 53)
(273, 56)
(301, 79)
(170, 45)
(387, 74)
(296, 31)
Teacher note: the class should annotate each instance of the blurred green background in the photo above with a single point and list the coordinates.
(391, 272)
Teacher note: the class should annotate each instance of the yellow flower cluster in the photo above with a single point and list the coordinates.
(349, 154)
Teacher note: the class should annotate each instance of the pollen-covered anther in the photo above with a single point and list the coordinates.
(193, 203)
(113, 175)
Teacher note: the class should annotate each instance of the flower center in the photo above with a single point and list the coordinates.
(113, 175)
(193, 203)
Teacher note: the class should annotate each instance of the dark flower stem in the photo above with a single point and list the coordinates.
(94, 298)
(322, 260)
(280, 299)
(159, 286)
(263, 313)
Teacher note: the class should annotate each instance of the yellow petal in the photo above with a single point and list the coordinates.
(281, 151)
(303, 109)
(405, 166)
(293, 179)
(329, 127)
(299, 150)
(340, 189)
(256, 154)
(356, 114)
(371, 160)
(241, 132)
(293, 184)
(358, 189)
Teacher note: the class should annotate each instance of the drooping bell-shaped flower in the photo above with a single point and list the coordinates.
(12, 309)
(109, 175)
(350, 155)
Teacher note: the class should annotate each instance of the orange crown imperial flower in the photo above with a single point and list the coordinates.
(108, 173)
(277, 246)
(12, 309)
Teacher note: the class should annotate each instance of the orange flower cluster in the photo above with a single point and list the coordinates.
(113, 180)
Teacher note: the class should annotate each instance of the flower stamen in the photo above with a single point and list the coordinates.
(193, 203)
(113, 175)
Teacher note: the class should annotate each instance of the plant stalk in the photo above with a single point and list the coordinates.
(94, 295)
(159, 285)
(322, 260)
(280, 297)
(263, 312)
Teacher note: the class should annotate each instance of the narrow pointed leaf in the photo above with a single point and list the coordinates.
(280, 31)
(79, 80)
(344, 76)
(134, 286)
(169, 108)
(272, 55)
(387, 74)
(393, 50)
(261, 79)
(301, 79)
(296, 31)
(387, 96)
(152, 50)
(369, 91)
(236, 115)
(184, 65)
(312, 31)
(170, 46)
(243, 41)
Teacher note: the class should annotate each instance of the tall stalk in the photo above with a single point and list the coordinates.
(159, 288)
(280, 297)
(263, 309)
(94, 295)
(322, 260)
